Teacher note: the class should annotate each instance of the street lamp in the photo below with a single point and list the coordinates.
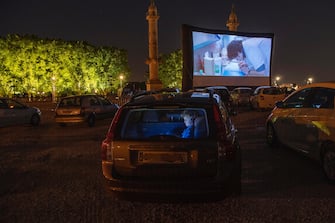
(309, 80)
(277, 81)
(121, 79)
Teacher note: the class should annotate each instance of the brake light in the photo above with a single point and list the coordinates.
(111, 130)
(106, 150)
(106, 146)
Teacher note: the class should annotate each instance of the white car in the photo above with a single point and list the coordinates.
(13, 112)
(265, 97)
(305, 121)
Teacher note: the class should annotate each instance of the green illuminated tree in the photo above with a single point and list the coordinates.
(171, 69)
(37, 66)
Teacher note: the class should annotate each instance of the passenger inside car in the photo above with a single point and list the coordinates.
(189, 118)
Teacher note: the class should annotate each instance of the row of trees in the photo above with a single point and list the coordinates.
(40, 66)
(36, 66)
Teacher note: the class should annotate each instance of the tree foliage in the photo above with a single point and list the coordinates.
(33, 65)
(171, 69)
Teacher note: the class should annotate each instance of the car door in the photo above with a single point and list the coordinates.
(289, 119)
(18, 113)
(108, 108)
(95, 105)
(313, 122)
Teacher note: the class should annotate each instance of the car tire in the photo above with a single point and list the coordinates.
(271, 137)
(35, 120)
(328, 162)
(91, 120)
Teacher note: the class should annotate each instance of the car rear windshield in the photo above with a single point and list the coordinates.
(70, 102)
(160, 122)
(272, 91)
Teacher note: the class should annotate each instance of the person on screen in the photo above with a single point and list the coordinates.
(253, 55)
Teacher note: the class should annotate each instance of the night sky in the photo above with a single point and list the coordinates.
(304, 30)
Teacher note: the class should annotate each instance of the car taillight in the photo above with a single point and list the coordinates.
(106, 146)
(261, 97)
(224, 146)
(106, 151)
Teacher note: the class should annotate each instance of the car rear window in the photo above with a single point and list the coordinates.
(150, 123)
(70, 102)
(272, 91)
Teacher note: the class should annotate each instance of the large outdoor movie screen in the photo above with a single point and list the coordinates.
(221, 57)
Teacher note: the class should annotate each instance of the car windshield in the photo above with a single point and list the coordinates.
(153, 123)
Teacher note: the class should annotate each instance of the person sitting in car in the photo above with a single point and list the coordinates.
(188, 117)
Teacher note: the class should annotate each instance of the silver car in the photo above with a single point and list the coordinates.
(13, 112)
(305, 122)
(84, 108)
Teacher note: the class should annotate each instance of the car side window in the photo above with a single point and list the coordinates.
(104, 101)
(93, 101)
(299, 99)
(323, 98)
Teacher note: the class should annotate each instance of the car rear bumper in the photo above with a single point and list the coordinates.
(175, 186)
(75, 119)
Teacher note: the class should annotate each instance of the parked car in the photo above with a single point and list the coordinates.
(265, 97)
(241, 96)
(151, 148)
(84, 108)
(305, 121)
(225, 96)
(13, 112)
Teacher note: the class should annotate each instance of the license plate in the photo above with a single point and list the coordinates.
(158, 157)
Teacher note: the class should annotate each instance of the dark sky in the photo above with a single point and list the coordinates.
(304, 30)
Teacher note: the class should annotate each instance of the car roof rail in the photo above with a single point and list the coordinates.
(160, 91)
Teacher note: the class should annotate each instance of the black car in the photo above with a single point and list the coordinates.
(14, 112)
(225, 97)
(172, 143)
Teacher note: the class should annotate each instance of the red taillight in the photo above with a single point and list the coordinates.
(106, 146)
(111, 130)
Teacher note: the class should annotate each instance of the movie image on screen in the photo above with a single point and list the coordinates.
(231, 55)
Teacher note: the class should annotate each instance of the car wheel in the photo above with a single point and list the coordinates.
(91, 121)
(328, 162)
(271, 138)
(35, 120)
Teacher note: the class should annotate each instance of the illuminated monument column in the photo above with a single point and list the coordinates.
(232, 22)
(152, 16)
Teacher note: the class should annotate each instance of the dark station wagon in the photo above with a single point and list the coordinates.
(173, 143)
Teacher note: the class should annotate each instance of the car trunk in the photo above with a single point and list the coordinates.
(171, 159)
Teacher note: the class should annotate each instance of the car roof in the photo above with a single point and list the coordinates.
(327, 84)
(172, 98)
(81, 95)
(249, 88)
(217, 87)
